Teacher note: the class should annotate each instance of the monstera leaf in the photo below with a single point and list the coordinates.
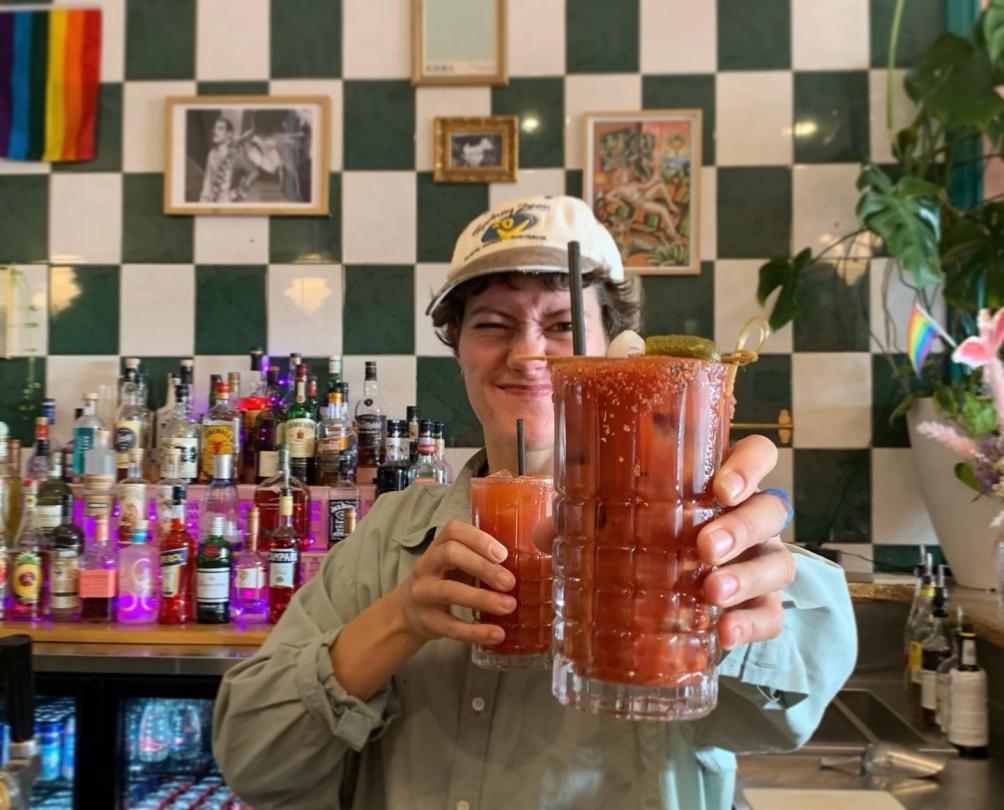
(974, 247)
(783, 273)
(906, 216)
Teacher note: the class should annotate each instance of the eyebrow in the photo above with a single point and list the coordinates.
(484, 309)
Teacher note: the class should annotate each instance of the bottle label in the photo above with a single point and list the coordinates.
(165, 509)
(250, 578)
(341, 518)
(217, 440)
(968, 722)
(132, 503)
(916, 656)
(212, 585)
(268, 463)
(3, 578)
(188, 456)
(65, 580)
(83, 440)
(97, 583)
(282, 564)
(396, 447)
(27, 578)
(928, 689)
(127, 437)
(369, 428)
(301, 436)
(49, 516)
(173, 562)
(329, 448)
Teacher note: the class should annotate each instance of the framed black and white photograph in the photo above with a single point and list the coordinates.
(476, 150)
(254, 155)
(459, 42)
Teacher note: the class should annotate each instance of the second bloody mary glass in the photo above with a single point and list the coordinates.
(638, 442)
(508, 508)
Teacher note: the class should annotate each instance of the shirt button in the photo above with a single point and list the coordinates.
(478, 704)
(462, 805)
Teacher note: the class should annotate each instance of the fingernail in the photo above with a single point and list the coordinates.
(727, 585)
(721, 544)
(506, 580)
(497, 634)
(738, 631)
(733, 484)
(498, 551)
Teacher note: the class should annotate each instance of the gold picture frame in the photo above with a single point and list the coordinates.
(247, 155)
(476, 150)
(642, 178)
(459, 42)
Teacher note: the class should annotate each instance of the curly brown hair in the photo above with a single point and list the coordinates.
(620, 301)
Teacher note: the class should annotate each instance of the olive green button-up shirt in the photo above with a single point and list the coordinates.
(446, 735)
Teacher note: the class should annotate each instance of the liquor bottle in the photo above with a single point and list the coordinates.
(67, 452)
(411, 414)
(138, 568)
(923, 566)
(100, 464)
(49, 412)
(968, 728)
(343, 503)
(935, 648)
(98, 577)
(266, 497)
(177, 567)
(234, 388)
(250, 407)
(369, 423)
(220, 500)
(250, 598)
(394, 474)
(287, 383)
(131, 495)
(52, 495)
(38, 463)
(84, 433)
(163, 414)
(182, 434)
(425, 470)
(943, 708)
(128, 378)
(220, 431)
(336, 440)
(30, 550)
(445, 470)
(212, 584)
(165, 493)
(299, 429)
(312, 403)
(918, 626)
(334, 374)
(66, 545)
(186, 371)
(214, 384)
(10, 489)
(284, 547)
(130, 425)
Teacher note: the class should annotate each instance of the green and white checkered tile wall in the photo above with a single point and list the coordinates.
(793, 97)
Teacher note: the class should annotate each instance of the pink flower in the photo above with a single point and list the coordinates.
(976, 352)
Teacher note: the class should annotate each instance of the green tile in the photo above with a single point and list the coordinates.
(378, 316)
(685, 93)
(442, 395)
(902, 559)
(108, 157)
(601, 37)
(754, 211)
(680, 305)
(831, 116)
(444, 210)
(148, 234)
(923, 22)
(84, 309)
(762, 391)
(573, 183)
(379, 121)
(230, 314)
(160, 39)
(309, 239)
(24, 217)
(835, 306)
(156, 370)
(22, 386)
(888, 390)
(539, 100)
(306, 39)
(832, 496)
(754, 36)
(232, 88)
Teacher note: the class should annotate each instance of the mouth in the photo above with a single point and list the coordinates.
(527, 390)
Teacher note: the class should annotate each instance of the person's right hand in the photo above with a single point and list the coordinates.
(444, 576)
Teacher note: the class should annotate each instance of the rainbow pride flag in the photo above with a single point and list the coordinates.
(921, 331)
(49, 72)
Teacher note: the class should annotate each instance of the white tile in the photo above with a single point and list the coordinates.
(376, 39)
(735, 304)
(305, 309)
(332, 89)
(829, 34)
(886, 287)
(831, 396)
(899, 516)
(206, 364)
(85, 218)
(679, 36)
(903, 111)
(232, 40)
(396, 374)
(24, 167)
(429, 279)
(68, 378)
(379, 217)
(143, 123)
(157, 310)
(854, 557)
(824, 196)
(587, 93)
(112, 39)
(709, 213)
(536, 37)
(29, 332)
(753, 113)
(528, 181)
(231, 240)
(444, 102)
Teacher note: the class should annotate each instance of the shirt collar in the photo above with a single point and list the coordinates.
(456, 503)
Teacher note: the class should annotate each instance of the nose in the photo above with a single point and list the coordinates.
(527, 342)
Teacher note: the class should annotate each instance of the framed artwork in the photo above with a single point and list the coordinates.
(459, 42)
(476, 150)
(642, 179)
(6, 308)
(232, 155)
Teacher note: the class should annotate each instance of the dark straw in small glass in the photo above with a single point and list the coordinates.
(520, 448)
(575, 289)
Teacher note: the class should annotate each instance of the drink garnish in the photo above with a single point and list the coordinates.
(683, 346)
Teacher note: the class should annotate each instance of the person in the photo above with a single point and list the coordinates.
(364, 694)
(217, 176)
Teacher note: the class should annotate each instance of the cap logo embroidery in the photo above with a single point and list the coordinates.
(506, 227)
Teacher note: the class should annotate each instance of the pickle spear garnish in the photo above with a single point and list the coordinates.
(683, 346)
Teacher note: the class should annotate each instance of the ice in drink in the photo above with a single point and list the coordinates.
(508, 508)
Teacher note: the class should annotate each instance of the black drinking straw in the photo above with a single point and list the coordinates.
(575, 288)
(520, 448)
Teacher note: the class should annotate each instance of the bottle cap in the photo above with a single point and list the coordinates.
(178, 494)
(216, 525)
(256, 358)
(223, 466)
(411, 412)
(371, 371)
(425, 427)
(139, 531)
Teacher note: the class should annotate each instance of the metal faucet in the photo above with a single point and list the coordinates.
(21, 770)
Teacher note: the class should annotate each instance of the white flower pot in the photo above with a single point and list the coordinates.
(961, 520)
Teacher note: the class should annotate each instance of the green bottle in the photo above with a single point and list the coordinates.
(212, 576)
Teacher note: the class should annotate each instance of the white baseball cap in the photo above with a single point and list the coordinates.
(531, 235)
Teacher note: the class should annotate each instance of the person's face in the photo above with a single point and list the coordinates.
(220, 131)
(504, 324)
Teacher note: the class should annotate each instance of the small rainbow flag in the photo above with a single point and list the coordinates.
(920, 334)
(49, 66)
